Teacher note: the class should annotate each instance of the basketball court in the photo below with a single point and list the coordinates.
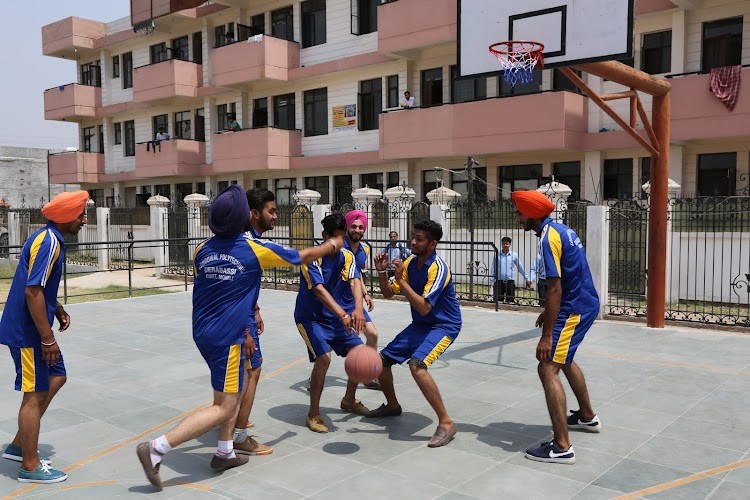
(673, 404)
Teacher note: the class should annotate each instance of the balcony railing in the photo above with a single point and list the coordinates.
(71, 102)
(174, 157)
(75, 167)
(166, 79)
(260, 57)
(404, 26)
(256, 149)
(71, 38)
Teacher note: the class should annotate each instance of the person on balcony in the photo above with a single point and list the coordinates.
(232, 124)
(161, 135)
(407, 101)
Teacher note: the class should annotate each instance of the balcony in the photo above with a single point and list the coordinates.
(75, 167)
(175, 157)
(249, 61)
(698, 114)
(170, 81)
(71, 38)
(547, 121)
(72, 102)
(256, 149)
(416, 24)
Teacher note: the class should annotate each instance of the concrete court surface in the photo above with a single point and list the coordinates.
(674, 406)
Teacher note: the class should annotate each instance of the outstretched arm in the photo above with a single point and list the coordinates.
(330, 303)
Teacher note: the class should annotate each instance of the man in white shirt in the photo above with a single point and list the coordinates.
(407, 101)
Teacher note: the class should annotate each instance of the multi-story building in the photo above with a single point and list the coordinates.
(317, 97)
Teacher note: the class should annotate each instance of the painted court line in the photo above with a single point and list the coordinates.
(138, 437)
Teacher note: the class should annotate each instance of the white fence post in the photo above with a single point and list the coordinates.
(194, 203)
(102, 235)
(158, 205)
(597, 251)
(440, 200)
(309, 197)
(14, 229)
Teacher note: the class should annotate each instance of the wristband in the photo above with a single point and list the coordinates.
(50, 344)
(382, 272)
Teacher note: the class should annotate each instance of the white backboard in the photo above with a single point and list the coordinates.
(572, 31)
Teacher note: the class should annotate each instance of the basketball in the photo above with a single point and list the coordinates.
(363, 364)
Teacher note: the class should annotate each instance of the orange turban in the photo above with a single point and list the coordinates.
(66, 207)
(532, 204)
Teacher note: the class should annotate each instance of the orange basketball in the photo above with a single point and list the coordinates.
(363, 364)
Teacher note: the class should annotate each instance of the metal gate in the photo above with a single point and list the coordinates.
(176, 222)
(628, 223)
(121, 228)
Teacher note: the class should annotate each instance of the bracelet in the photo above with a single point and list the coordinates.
(382, 272)
(50, 344)
(342, 316)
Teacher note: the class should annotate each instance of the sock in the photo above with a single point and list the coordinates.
(159, 448)
(240, 435)
(226, 449)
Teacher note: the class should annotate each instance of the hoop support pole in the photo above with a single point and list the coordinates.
(618, 95)
(625, 75)
(634, 110)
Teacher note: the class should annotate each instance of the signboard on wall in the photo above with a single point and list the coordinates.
(344, 117)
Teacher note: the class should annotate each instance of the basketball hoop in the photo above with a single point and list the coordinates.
(518, 59)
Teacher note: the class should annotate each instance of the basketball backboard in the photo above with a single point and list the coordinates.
(572, 31)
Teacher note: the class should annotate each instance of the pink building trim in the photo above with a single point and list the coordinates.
(76, 168)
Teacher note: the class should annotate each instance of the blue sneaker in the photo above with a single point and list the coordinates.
(576, 422)
(12, 452)
(549, 452)
(44, 473)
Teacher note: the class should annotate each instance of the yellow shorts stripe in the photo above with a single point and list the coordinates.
(303, 333)
(437, 350)
(232, 376)
(28, 370)
(563, 343)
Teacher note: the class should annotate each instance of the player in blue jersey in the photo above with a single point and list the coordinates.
(328, 313)
(228, 270)
(26, 328)
(570, 309)
(425, 280)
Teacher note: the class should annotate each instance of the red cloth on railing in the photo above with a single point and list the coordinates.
(725, 84)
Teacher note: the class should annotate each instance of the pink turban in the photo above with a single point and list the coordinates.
(356, 215)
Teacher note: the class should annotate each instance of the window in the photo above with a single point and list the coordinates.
(159, 121)
(722, 43)
(717, 174)
(127, 70)
(432, 87)
(181, 190)
(118, 133)
(561, 82)
(285, 188)
(158, 53)
(260, 112)
(100, 139)
(180, 48)
(198, 47)
(222, 185)
(162, 190)
(392, 179)
(342, 189)
(200, 125)
(460, 183)
(364, 16)
(224, 111)
(313, 23)
(656, 52)
(467, 89)
(90, 74)
(200, 188)
(283, 112)
(515, 177)
(370, 103)
(316, 112)
(88, 139)
(116, 66)
(129, 138)
(618, 179)
(97, 195)
(282, 24)
(319, 184)
(374, 181)
(220, 36)
(569, 173)
(260, 183)
(431, 179)
(392, 91)
(258, 24)
(182, 125)
(533, 87)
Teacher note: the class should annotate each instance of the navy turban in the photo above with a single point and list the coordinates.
(229, 212)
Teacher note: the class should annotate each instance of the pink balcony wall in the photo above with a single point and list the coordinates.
(177, 157)
(648, 6)
(550, 121)
(144, 10)
(256, 149)
(71, 102)
(167, 79)
(698, 114)
(61, 38)
(250, 61)
(416, 24)
(75, 168)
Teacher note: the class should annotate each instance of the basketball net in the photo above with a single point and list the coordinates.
(518, 59)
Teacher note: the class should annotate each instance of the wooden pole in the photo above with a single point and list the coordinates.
(625, 75)
(657, 216)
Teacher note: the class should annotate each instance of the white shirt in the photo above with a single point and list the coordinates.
(407, 103)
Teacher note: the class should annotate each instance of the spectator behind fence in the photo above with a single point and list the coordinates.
(502, 273)
(395, 250)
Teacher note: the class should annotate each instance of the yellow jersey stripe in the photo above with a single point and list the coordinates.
(563, 343)
(35, 250)
(232, 376)
(306, 275)
(267, 258)
(28, 370)
(555, 244)
(51, 263)
(437, 350)
(303, 333)
(195, 253)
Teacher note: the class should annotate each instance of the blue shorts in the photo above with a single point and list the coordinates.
(226, 363)
(321, 337)
(32, 372)
(423, 343)
(367, 315)
(257, 358)
(568, 334)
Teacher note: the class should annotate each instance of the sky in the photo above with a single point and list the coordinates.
(27, 73)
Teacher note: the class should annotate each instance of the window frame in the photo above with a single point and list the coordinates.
(182, 126)
(428, 86)
(573, 165)
(369, 103)
(710, 61)
(475, 87)
(289, 111)
(129, 139)
(312, 28)
(223, 111)
(621, 169)
(321, 184)
(88, 134)
(117, 133)
(656, 52)
(181, 48)
(127, 70)
(157, 121)
(116, 66)
(392, 84)
(710, 173)
(315, 112)
(258, 114)
(284, 18)
(511, 174)
(158, 53)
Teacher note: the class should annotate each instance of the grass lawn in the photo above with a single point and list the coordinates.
(78, 295)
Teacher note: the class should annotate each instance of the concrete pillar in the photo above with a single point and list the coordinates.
(158, 206)
(102, 234)
(597, 251)
(592, 174)
(243, 114)
(310, 198)
(210, 121)
(194, 203)
(14, 229)
(679, 41)
(676, 163)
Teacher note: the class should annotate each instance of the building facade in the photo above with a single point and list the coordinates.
(315, 86)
